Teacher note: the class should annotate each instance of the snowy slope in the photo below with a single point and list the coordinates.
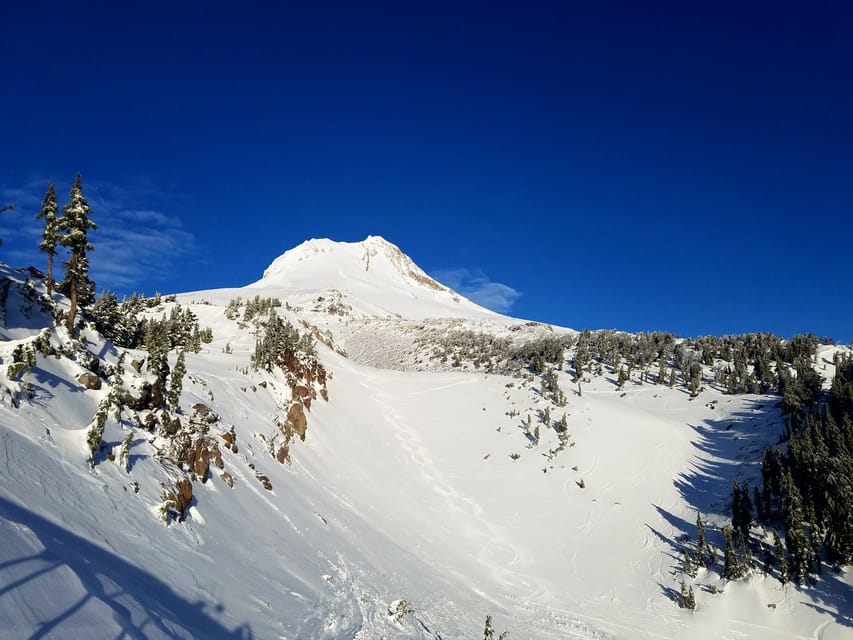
(373, 276)
(414, 485)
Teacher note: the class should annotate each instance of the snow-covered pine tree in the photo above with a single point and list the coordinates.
(687, 567)
(124, 452)
(73, 228)
(177, 382)
(732, 569)
(157, 345)
(49, 238)
(779, 552)
(795, 537)
(701, 543)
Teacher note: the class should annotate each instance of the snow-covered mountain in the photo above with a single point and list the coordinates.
(373, 276)
(406, 480)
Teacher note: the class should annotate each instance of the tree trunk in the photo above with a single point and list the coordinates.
(49, 275)
(72, 311)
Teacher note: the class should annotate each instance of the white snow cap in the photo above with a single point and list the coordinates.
(321, 257)
(374, 273)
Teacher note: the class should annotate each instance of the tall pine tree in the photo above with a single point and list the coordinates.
(795, 537)
(73, 229)
(177, 382)
(732, 569)
(49, 236)
(779, 552)
(701, 543)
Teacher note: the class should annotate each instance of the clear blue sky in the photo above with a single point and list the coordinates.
(645, 166)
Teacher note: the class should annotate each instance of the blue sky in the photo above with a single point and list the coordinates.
(643, 166)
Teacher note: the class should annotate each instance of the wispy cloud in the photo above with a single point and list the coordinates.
(475, 285)
(138, 238)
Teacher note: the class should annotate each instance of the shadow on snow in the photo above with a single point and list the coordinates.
(164, 610)
(729, 450)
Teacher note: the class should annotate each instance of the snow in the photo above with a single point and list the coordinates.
(373, 275)
(404, 489)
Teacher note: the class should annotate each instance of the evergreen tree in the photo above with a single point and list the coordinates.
(157, 345)
(49, 236)
(177, 381)
(623, 377)
(745, 510)
(701, 544)
(688, 599)
(687, 567)
(732, 569)
(781, 562)
(107, 315)
(124, 452)
(489, 631)
(795, 538)
(73, 229)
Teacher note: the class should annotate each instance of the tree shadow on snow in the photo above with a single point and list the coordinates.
(51, 380)
(728, 450)
(111, 580)
(832, 596)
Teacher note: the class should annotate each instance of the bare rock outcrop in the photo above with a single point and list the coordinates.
(89, 380)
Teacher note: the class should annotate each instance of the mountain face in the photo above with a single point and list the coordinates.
(372, 277)
(356, 451)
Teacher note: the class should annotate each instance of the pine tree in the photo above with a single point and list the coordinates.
(731, 568)
(177, 381)
(124, 452)
(688, 599)
(745, 510)
(49, 236)
(73, 229)
(701, 544)
(736, 504)
(687, 567)
(781, 562)
(795, 538)
(624, 376)
(489, 631)
(157, 345)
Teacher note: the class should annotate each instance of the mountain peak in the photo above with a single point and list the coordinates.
(372, 247)
(374, 274)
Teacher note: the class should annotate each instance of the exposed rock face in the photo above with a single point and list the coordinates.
(304, 394)
(230, 440)
(227, 479)
(265, 481)
(89, 380)
(201, 409)
(150, 397)
(206, 412)
(182, 496)
(196, 453)
(283, 453)
(296, 420)
(170, 426)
